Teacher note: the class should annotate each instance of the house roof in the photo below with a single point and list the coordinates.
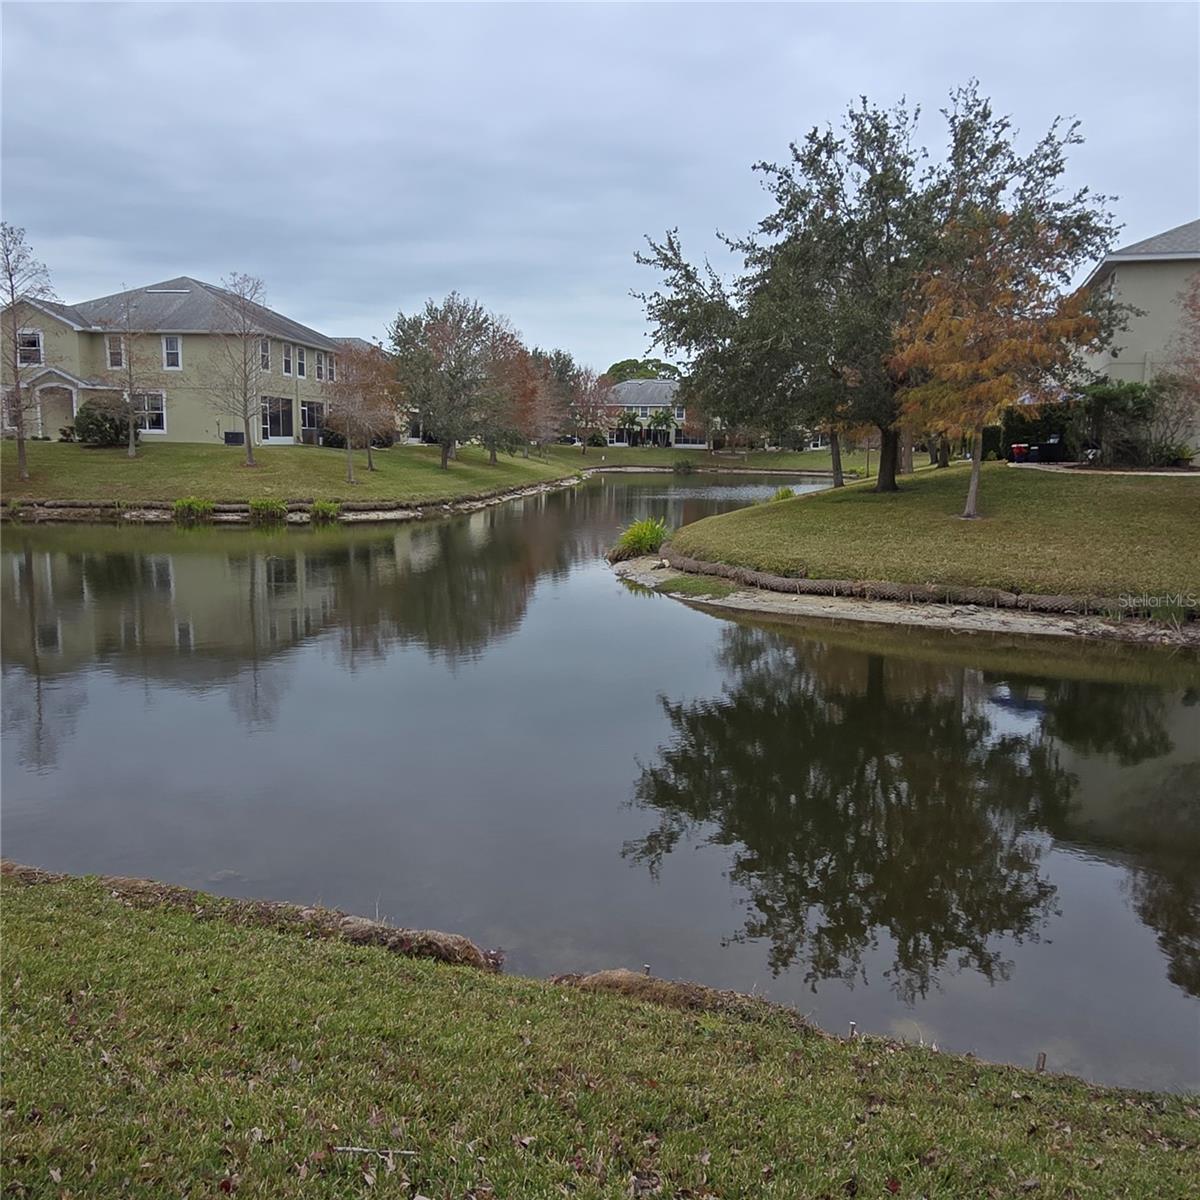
(1182, 242)
(356, 343)
(182, 305)
(634, 392)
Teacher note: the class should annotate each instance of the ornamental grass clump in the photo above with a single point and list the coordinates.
(783, 493)
(191, 510)
(324, 512)
(641, 538)
(267, 512)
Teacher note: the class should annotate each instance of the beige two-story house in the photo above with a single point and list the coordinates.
(1150, 275)
(178, 333)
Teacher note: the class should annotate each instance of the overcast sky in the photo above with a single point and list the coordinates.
(363, 157)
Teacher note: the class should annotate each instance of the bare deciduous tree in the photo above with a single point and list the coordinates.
(129, 350)
(240, 369)
(590, 414)
(364, 400)
(25, 281)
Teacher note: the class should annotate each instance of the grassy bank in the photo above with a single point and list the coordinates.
(761, 460)
(64, 471)
(148, 1054)
(1040, 532)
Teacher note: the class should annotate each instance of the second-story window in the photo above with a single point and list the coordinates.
(332, 369)
(115, 348)
(679, 414)
(300, 362)
(320, 364)
(172, 352)
(264, 353)
(287, 358)
(29, 348)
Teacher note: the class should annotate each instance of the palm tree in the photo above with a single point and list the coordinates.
(631, 423)
(662, 420)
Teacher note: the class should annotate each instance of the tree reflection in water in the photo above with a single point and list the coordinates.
(860, 797)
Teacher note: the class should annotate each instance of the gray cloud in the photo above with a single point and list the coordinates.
(363, 157)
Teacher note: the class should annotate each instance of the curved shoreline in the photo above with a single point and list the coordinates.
(958, 610)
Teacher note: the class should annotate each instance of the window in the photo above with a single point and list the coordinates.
(150, 411)
(679, 414)
(320, 365)
(29, 347)
(312, 414)
(276, 418)
(644, 410)
(264, 353)
(172, 352)
(300, 361)
(287, 358)
(332, 369)
(115, 348)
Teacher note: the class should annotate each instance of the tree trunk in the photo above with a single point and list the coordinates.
(132, 426)
(370, 456)
(19, 422)
(249, 440)
(445, 456)
(889, 455)
(906, 453)
(349, 456)
(943, 450)
(933, 450)
(835, 454)
(492, 455)
(972, 509)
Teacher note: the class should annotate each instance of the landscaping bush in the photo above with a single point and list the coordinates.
(642, 537)
(267, 512)
(783, 493)
(190, 510)
(323, 512)
(683, 466)
(66, 433)
(97, 424)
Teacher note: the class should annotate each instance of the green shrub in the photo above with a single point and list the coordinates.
(97, 424)
(783, 493)
(683, 466)
(189, 510)
(642, 537)
(991, 456)
(267, 512)
(66, 433)
(323, 512)
(1170, 454)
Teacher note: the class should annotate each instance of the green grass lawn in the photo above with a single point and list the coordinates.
(657, 456)
(1041, 532)
(65, 471)
(149, 1054)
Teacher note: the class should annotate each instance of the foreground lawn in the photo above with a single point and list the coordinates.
(150, 1054)
(1040, 532)
(65, 471)
(658, 456)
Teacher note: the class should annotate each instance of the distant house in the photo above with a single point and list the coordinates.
(1150, 275)
(645, 398)
(71, 353)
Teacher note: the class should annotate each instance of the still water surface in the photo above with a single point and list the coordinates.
(472, 725)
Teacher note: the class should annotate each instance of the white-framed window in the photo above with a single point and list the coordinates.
(264, 353)
(312, 414)
(320, 364)
(114, 351)
(150, 411)
(332, 369)
(300, 371)
(172, 352)
(287, 358)
(29, 347)
(679, 413)
(643, 410)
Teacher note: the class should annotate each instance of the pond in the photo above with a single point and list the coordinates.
(985, 843)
